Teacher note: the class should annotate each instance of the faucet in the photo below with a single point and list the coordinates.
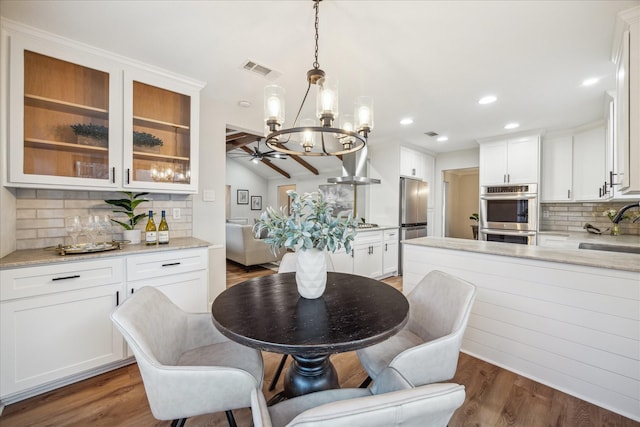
(622, 210)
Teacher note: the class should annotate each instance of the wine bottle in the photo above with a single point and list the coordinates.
(163, 231)
(150, 235)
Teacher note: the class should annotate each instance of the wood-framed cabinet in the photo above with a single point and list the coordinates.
(81, 119)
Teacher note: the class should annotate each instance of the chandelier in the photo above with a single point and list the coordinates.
(314, 140)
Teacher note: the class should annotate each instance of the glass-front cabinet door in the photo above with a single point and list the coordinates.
(62, 127)
(160, 144)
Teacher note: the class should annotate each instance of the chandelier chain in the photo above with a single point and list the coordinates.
(316, 64)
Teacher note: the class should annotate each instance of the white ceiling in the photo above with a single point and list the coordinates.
(429, 60)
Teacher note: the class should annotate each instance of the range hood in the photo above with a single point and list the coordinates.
(354, 170)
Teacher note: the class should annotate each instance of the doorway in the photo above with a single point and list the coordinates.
(461, 198)
(283, 197)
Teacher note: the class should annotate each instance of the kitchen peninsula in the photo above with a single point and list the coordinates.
(568, 318)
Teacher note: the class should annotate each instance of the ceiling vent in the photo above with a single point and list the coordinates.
(254, 67)
(431, 134)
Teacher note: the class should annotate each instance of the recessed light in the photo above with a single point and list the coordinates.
(406, 121)
(442, 138)
(244, 104)
(511, 125)
(590, 81)
(487, 99)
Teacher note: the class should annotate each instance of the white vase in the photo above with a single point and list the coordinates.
(311, 273)
(132, 235)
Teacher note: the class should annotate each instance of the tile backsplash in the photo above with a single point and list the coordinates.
(573, 216)
(40, 214)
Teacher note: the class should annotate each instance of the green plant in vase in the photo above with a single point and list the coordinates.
(127, 206)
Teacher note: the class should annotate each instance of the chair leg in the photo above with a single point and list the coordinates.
(178, 423)
(278, 372)
(366, 382)
(230, 419)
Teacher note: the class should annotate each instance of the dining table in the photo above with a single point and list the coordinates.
(268, 313)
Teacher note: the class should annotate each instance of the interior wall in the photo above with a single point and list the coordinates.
(241, 177)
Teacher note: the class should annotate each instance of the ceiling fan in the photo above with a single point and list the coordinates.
(254, 154)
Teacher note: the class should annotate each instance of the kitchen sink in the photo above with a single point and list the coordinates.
(610, 248)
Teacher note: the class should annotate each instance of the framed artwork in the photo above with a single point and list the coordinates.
(256, 203)
(243, 197)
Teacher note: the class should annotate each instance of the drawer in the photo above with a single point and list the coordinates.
(391, 235)
(161, 264)
(368, 237)
(60, 277)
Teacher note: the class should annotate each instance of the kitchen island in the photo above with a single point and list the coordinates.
(568, 318)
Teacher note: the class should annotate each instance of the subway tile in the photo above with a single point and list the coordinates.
(51, 213)
(39, 204)
(26, 213)
(24, 224)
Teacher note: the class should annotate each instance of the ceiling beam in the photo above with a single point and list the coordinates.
(268, 163)
(240, 140)
(306, 165)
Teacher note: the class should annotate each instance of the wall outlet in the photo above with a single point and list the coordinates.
(176, 213)
(545, 214)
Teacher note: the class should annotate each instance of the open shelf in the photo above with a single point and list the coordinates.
(65, 107)
(159, 156)
(159, 124)
(67, 146)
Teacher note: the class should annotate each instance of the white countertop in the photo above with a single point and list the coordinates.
(601, 259)
(30, 257)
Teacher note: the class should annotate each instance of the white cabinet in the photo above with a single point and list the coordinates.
(54, 321)
(589, 158)
(342, 261)
(626, 56)
(557, 173)
(76, 123)
(390, 253)
(510, 161)
(411, 163)
(181, 275)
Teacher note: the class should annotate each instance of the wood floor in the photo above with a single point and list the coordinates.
(495, 397)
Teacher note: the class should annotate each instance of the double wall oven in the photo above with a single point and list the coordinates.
(509, 213)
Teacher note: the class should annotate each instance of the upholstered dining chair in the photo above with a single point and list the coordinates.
(391, 401)
(188, 368)
(288, 265)
(426, 350)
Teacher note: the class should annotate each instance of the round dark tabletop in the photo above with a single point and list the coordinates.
(267, 313)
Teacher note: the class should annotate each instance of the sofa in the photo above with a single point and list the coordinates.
(244, 248)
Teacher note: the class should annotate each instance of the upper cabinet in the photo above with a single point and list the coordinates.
(510, 161)
(626, 55)
(80, 119)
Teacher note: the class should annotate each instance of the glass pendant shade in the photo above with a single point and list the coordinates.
(347, 123)
(364, 113)
(274, 106)
(308, 136)
(327, 100)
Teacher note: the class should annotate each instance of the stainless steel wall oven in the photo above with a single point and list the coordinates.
(509, 213)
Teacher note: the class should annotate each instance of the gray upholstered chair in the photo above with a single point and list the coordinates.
(426, 350)
(288, 265)
(392, 401)
(188, 368)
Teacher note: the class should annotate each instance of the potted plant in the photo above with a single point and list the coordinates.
(147, 142)
(127, 206)
(90, 134)
(309, 228)
(474, 227)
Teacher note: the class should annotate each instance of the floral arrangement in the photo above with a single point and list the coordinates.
(309, 224)
(475, 217)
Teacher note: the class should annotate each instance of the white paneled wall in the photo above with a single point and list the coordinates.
(574, 328)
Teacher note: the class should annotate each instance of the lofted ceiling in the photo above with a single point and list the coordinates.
(427, 60)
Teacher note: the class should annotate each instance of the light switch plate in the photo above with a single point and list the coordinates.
(209, 196)
(176, 213)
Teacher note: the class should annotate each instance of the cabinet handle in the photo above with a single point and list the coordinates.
(504, 178)
(170, 264)
(75, 276)
(128, 173)
(117, 298)
(132, 291)
(569, 194)
(600, 192)
(113, 175)
(413, 172)
(385, 247)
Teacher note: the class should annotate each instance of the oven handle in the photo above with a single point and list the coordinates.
(508, 197)
(508, 233)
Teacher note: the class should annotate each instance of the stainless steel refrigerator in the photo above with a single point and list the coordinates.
(413, 211)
